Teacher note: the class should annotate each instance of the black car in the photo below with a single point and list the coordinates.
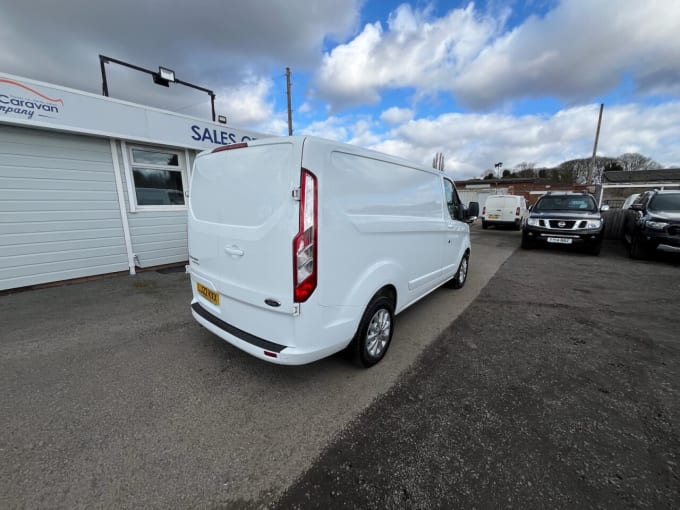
(652, 219)
(565, 218)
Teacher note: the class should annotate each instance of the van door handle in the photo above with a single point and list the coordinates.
(234, 251)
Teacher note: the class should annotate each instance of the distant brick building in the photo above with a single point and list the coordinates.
(530, 188)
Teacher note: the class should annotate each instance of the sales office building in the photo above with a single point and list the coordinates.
(91, 185)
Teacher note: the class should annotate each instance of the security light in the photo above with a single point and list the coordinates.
(163, 77)
(166, 74)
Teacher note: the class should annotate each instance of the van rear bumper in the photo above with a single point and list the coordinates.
(259, 347)
(234, 331)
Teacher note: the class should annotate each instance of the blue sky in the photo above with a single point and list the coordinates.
(512, 81)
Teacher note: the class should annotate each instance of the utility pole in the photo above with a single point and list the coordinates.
(597, 137)
(290, 111)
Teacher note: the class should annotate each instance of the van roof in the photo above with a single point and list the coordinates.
(355, 149)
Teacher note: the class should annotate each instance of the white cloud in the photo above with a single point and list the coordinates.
(472, 143)
(362, 133)
(246, 104)
(305, 108)
(332, 128)
(414, 51)
(396, 115)
(576, 51)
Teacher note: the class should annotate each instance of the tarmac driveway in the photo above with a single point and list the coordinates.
(559, 387)
(114, 397)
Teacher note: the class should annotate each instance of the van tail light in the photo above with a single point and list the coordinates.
(305, 242)
(483, 210)
(517, 212)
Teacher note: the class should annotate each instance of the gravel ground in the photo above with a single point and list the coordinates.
(559, 387)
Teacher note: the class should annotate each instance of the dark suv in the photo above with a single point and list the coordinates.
(653, 219)
(565, 218)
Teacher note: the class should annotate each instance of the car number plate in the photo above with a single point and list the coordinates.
(208, 294)
(493, 216)
(559, 240)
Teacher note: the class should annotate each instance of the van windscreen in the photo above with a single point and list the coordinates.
(243, 186)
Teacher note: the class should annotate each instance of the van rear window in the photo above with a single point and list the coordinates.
(242, 187)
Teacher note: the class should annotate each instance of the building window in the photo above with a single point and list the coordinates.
(158, 177)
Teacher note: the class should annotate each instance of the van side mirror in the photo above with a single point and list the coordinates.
(604, 208)
(637, 207)
(472, 211)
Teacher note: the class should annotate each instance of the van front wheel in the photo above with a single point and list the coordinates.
(375, 332)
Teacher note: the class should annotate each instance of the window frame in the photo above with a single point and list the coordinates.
(182, 168)
(456, 200)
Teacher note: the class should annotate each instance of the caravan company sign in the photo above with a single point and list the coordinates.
(26, 102)
(23, 101)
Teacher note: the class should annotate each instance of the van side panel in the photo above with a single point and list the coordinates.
(379, 219)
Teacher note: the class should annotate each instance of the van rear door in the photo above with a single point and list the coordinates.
(243, 220)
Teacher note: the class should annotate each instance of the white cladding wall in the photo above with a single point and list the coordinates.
(59, 211)
(158, 237)
(479, 196)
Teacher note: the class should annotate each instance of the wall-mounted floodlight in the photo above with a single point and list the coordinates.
(222, 119)
(166, 74)
(163, 77)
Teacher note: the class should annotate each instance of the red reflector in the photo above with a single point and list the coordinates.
(517, 211)
(483, 211)
(271, 354)
(305, 289)
(229, 147)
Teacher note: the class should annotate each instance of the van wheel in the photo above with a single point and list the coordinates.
(460, 277)
(375, 332)
(485, 225)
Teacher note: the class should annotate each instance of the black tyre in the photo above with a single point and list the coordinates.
(485, 225)
(527, 243)
(459, 279)
(375, 332)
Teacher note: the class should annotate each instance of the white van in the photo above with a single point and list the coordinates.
(505, 210)
(301, 247)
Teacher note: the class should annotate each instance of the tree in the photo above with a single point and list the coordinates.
(438, 161)
(525, 170)
(631, 161)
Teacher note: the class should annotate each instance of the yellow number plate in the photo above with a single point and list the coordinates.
(208, 294)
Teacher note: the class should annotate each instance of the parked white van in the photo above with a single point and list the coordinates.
(504, 210)
(301, 247)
